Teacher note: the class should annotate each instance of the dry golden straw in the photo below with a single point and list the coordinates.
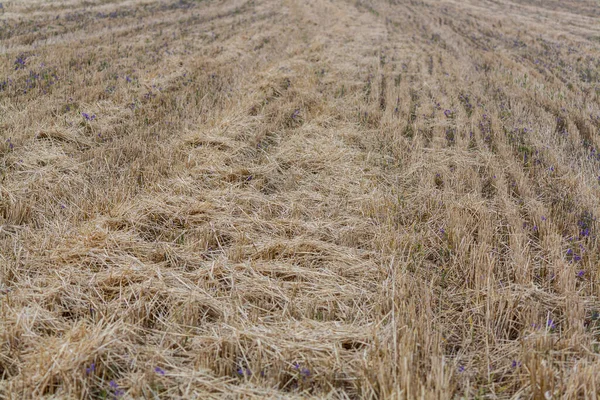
(299, 199)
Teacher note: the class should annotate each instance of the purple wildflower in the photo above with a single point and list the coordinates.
(20, 62)
(580, 274)
(305, 372)
(159, 371)
(115, 388)
(90, 369)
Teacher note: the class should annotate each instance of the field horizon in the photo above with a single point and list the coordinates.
(299, 199)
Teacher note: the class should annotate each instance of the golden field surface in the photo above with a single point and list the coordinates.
(334, 199)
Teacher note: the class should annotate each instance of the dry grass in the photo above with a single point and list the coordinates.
(317, 198)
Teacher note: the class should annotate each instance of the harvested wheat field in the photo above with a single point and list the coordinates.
(299, 199)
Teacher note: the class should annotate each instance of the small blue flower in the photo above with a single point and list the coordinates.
(580, 274)
(159, 371)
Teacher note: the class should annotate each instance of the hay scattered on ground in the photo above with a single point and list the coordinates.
(320, 198)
